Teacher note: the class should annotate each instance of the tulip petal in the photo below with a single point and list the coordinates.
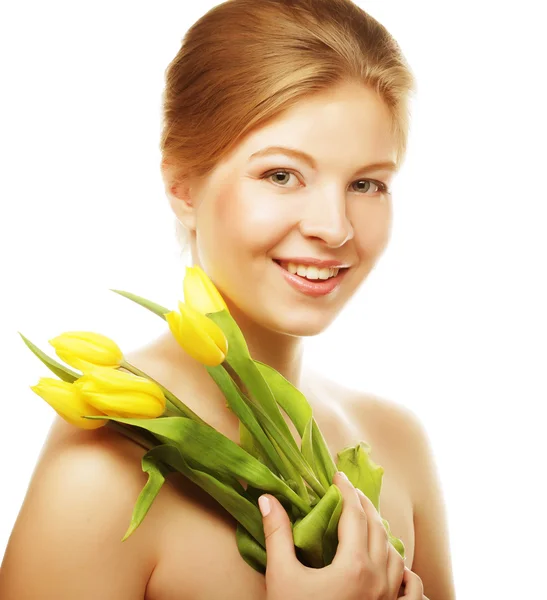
(119, 393)
(110, 379)
(68, 402)
(205, 324)
(87, 346)
(129, 404)
(194, 341)
(201, 293)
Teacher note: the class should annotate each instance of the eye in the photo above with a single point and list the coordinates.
(381, 187)
(276, 173)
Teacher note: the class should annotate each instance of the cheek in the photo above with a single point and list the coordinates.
(250, 222)
(371, 230)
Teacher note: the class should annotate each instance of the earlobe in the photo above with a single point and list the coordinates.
(182, 205)
(180, 199)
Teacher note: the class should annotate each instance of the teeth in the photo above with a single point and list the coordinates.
(312, 272)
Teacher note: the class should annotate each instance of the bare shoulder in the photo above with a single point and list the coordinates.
(402, 435)
(379, 415)
(76, 510)
(394, 431)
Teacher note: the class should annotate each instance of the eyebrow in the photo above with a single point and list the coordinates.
(388, 164)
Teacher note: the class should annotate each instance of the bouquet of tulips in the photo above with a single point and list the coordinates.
(107, 390)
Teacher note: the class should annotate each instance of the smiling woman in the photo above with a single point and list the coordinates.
(284, 122)
(326, 215)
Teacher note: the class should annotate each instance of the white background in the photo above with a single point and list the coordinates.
(451, 323)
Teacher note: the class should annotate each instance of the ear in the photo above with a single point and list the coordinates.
(180, 198)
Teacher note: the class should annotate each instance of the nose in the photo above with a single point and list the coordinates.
(326, 218)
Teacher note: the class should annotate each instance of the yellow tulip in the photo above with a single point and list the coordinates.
(200, 292)
(84, 349)
(198, 335)
(120, 394)
(68, 401)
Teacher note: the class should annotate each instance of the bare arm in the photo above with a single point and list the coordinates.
(432, 549)
(66, 541)
(399, 426)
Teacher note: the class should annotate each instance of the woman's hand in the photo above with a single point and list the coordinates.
(412, 587)
(366, 565)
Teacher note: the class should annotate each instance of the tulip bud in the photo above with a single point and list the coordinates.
(198, 335)
(200, 292)
(121, 394)
(68, 401)
(83, 349)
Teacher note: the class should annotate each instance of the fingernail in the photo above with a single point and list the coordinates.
(264, 504)
(343, 475)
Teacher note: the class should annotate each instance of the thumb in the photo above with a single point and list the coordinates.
(277, 532)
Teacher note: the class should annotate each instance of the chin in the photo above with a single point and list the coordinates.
(304, 323)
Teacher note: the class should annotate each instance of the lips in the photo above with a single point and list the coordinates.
(310, 287)
(284, 264)
(312, 262)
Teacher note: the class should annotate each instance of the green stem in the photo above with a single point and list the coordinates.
(300, 487)
(239, 406)
(266, 441)
(294, 456)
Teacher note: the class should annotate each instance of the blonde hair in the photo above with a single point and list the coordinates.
(246, 61)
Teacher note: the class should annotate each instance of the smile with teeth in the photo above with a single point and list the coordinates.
(310, 272)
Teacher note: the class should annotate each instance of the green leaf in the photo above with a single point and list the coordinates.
(322, 456)
(205, 446)
(156, 477)
(293, 479)
(63, 372)
(250, 550)
(249, 444)
(289, 397)
(366, 475)
(299, 410)
(362, 471)
(263, 403)
(261, 444)
(395, 542)
(330, 537)
(239, 359)
(307, 447)
(241, 508)
(315, 528)
(157, 309)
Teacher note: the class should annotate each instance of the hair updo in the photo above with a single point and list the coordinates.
(246, 61)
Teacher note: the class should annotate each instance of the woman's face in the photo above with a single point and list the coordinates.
(255, 210)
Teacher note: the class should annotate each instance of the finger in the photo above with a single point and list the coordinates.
(378, 541)
(280, 552)
(395, 568)
(352, 526)
(414, 589)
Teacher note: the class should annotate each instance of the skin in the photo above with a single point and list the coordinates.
(237, 222)
(319, 213)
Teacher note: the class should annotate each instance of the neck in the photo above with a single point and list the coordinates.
(280, 351)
